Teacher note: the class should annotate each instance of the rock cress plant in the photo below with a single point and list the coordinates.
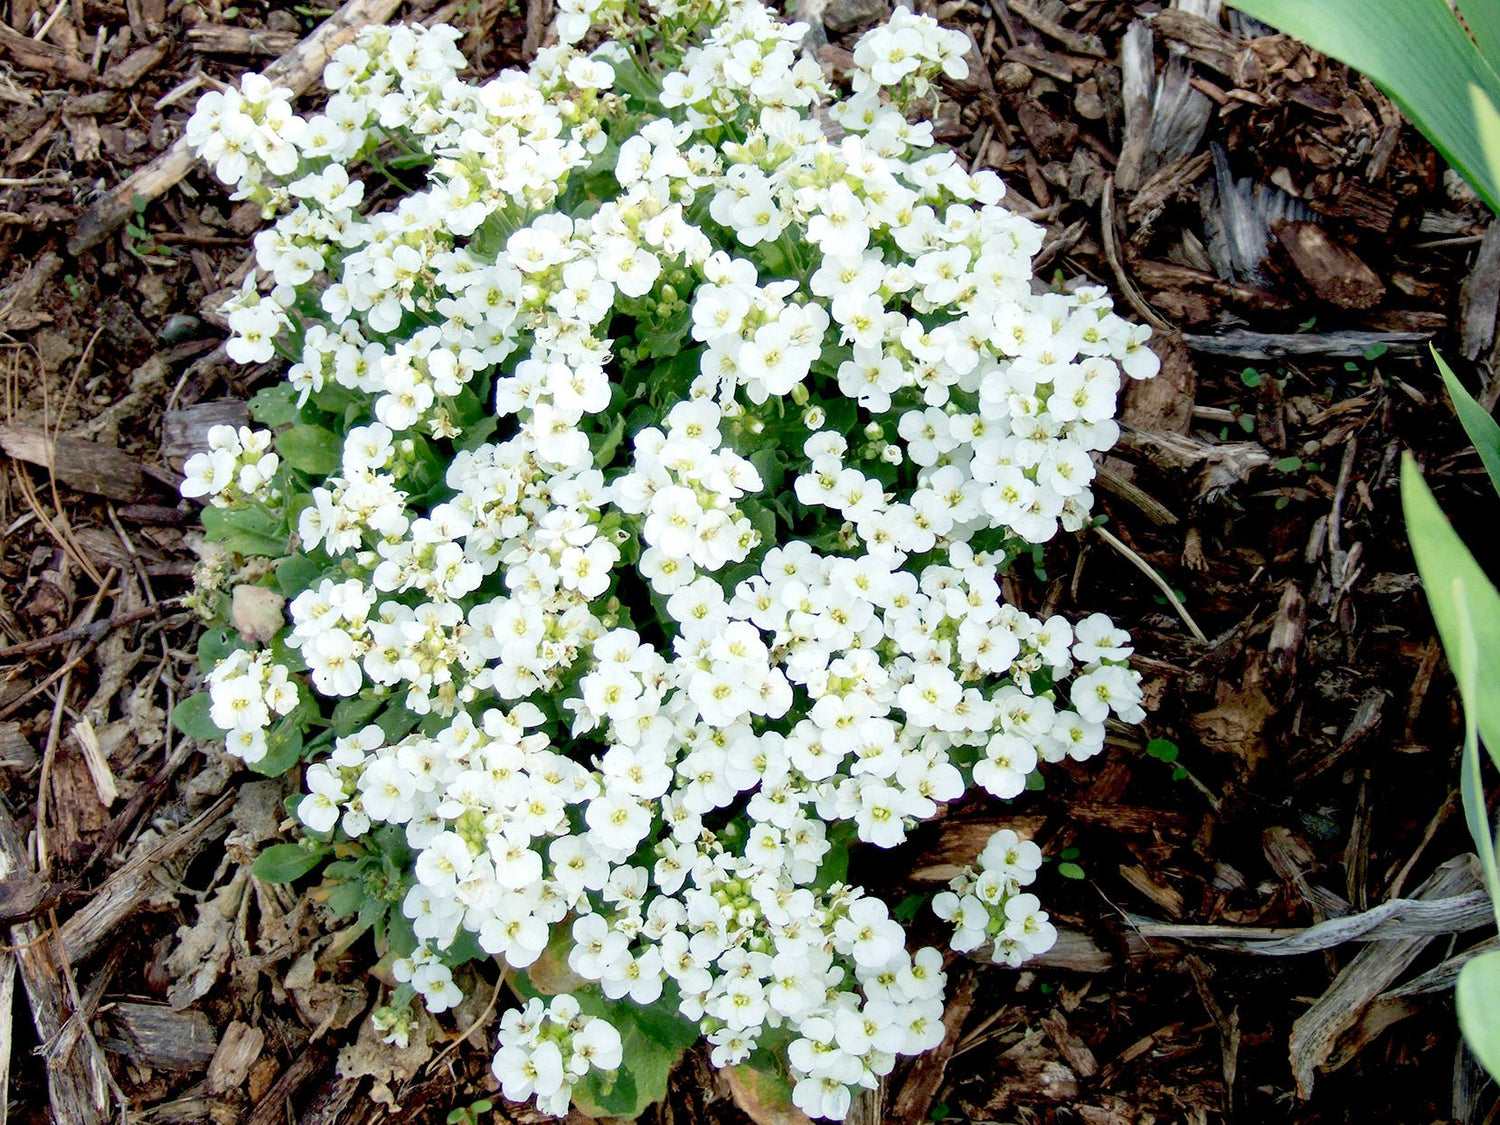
(657, 426)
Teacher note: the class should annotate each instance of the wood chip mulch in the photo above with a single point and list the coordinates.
(1296, 246)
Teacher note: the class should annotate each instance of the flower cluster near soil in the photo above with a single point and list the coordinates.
(652, 467)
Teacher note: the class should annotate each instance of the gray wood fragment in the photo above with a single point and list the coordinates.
(78, 1080)
(1479, 297)
(1328, 345)
(1451, 891)
(155, 1036)
(238, 1051)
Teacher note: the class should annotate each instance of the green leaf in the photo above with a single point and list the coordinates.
(285, 863)
(1162, 749)
(1478, 997)
(1458, 591)
(246, 529)
(1482, 429)
(283, 748)
(309, 449)
(1250, 377)
(605, 444)
(274, 406)
(190, 716)
(296, 573)
(352, 714)
(1288, 464)
(1070, 871)
(1419, 54)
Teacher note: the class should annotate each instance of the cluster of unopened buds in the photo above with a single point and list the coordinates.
(670, 454)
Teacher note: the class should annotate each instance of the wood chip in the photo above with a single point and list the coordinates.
(85, 465)
(925, 1078)
(1075, 1051)
(214, 39)
(1479, 297)
(1240, 344)
(77, 1077)
(238, 1051)
(16, 750)
(155, 1036)
(136, 65)
(98, 765)
(1332, 271)
(1375, 967)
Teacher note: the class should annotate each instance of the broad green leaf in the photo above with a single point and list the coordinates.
(1478, 996)
(296, 573)
(1488, 119)
(1442, 558)
(283, 750)
(309, 449)
(274, 406)
(1465, 661)
(190, 716)
(285, 863)
(1482, 429)
(352, 714)
(1420, 55)
(246, 530)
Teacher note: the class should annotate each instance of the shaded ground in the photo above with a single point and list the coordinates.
(1301, 758)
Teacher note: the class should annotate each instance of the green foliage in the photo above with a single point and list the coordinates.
(310, 449)
(191, 718)
(246, 529)
(1478, 998)
(469, 1114)
(1442, 76)
(1466, 607)
(286, 863)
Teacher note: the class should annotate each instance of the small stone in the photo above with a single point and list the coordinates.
(1013, 76)
(846, 15)
(258, 612)
(178, 328)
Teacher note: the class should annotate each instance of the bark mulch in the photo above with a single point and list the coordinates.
(1296, 246)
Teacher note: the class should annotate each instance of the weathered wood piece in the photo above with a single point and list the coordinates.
(185, 431)
(130, 886)
(1479, 297)
(78, 1079)
(154, 1035)
(238, 1051)
(85, 465)
(296, 70)
(1329, 345)
(38, 54)
(1375, 967)
(1332, 271)
(214, 39)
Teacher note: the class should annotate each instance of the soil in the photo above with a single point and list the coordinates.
(1296, 244)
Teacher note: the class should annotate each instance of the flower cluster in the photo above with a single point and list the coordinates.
(986, 905)
(246, 691)
(545, 1048)
(238, 465)
(652, 467)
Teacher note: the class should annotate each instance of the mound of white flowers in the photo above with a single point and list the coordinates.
(656, 429)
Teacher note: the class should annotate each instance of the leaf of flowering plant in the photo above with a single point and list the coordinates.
(286, 863)
(1478, 1001)
(246, 529)
(309, 449)
(190, 716)
(1443, 560)
(1478, 423)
